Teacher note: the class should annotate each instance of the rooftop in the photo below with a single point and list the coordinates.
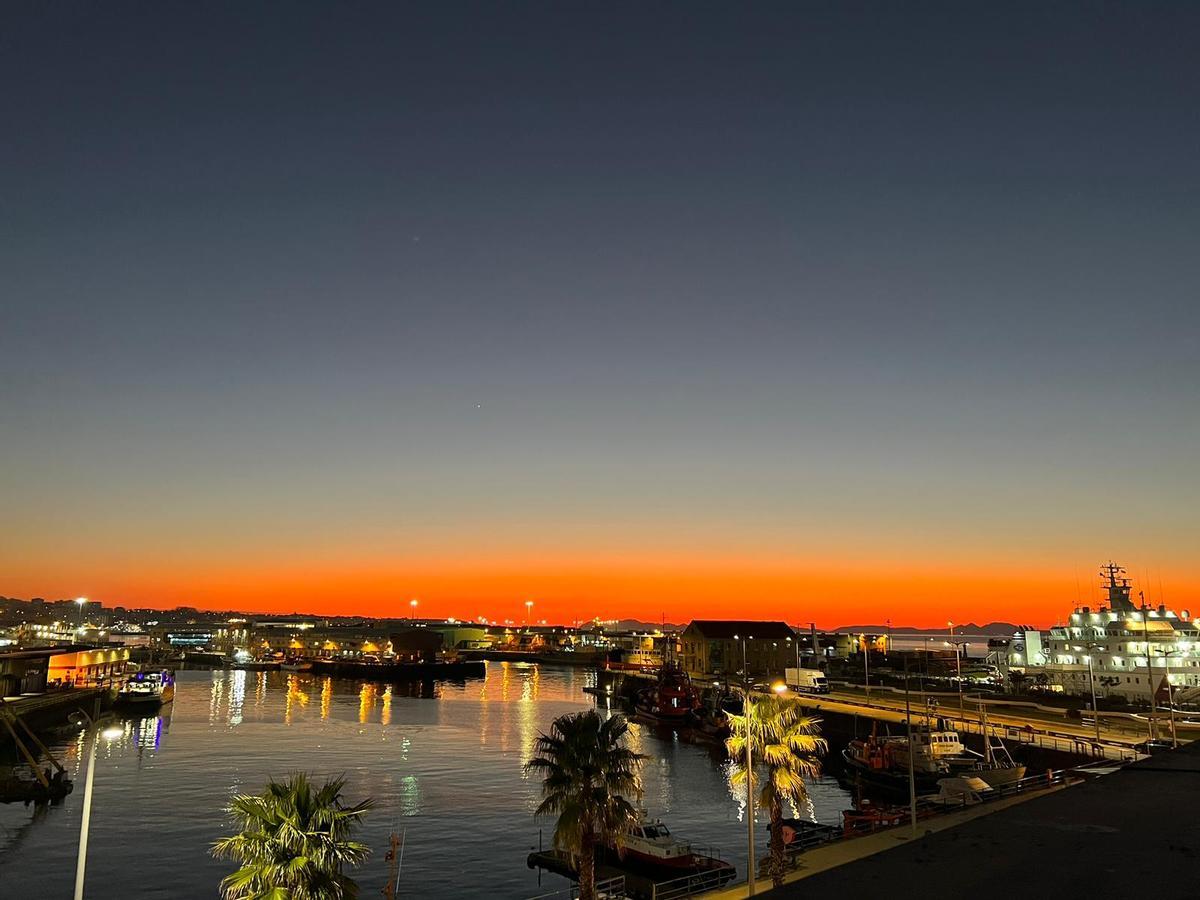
(727, 629)
(1121, 835)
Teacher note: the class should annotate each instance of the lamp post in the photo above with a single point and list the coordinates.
(749, 769)
(108, 734)
(866, 666)
(1092, 685)
(412, 606)
(1149, 667)
(959, 645)
(912, 778)
(528, 610)
(81, 602)
(1170, 692)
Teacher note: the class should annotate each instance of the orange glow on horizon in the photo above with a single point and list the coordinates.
(832, 594)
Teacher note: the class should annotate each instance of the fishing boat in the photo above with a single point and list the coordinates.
(934, 754)
(146, 690)
(651, 842)
(672, 698)
(297, 665)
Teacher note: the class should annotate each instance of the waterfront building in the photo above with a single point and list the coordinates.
(1132, 650)
(31, 670)
(712, 648)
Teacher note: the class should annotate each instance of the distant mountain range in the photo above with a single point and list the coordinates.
(1005, 628)
(969, 628)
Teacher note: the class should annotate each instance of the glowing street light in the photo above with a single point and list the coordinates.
(81, 602)
(109, 734)
(528, 609)
(412, 604)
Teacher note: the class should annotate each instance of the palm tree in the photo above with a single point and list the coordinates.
(587, 770)
(293, 843)
(788, 745)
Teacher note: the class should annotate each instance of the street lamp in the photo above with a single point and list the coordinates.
(81, 602)
(109, 734)
(412, 605)
(958, 670)
(866, 666)
(528, 610)
(1092, 683)
(1170, 691)
(1149, 668)
(749, 769)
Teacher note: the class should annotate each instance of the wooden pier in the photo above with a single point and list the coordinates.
(399, 672)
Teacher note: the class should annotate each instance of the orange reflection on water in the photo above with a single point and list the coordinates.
(366, 702)
(295, 697)
(385, 710)
(326, 697)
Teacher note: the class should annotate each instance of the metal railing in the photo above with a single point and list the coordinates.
(1044, 738)
(606, 889)
(689, 885)
(929, 807)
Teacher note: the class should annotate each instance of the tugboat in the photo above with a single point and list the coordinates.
(936, 754)
(145, 690)
(672, 699)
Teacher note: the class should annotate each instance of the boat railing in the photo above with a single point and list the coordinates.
(689, 885)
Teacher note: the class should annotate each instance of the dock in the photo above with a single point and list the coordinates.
(398, 672)
(642, 882)
(52, 708)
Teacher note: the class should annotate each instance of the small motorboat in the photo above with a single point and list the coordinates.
(297, 665)
(146, 690)
(651, 842)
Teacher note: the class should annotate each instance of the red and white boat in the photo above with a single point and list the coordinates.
(651, 842)
(672, 699)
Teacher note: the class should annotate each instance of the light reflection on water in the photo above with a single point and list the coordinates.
(444, 763)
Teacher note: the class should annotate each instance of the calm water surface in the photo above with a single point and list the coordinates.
(443, 762)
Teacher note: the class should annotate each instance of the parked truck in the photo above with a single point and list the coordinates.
(807, 681)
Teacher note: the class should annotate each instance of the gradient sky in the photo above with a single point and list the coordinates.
(828, 311)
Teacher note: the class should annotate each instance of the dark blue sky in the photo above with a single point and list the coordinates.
(803, 280)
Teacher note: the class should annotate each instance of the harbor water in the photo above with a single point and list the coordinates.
(444, 763)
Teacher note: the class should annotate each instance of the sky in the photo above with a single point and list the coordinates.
(831, 312)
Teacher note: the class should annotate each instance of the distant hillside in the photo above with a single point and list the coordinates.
(638, 625)
(969, 628)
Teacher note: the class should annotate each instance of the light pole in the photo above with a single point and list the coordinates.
(1170, 693)
(1149, 667)
(1092, 685)
(912, 778)
(749, 769)
(866, 667)
(108, 734)
(958, 671)
(528, 610)
(412, 607)
(81, 602)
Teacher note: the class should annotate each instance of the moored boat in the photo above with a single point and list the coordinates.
(673, 698)
(147, 689)
(651, 842)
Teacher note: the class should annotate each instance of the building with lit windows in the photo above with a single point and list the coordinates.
(713, 648)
